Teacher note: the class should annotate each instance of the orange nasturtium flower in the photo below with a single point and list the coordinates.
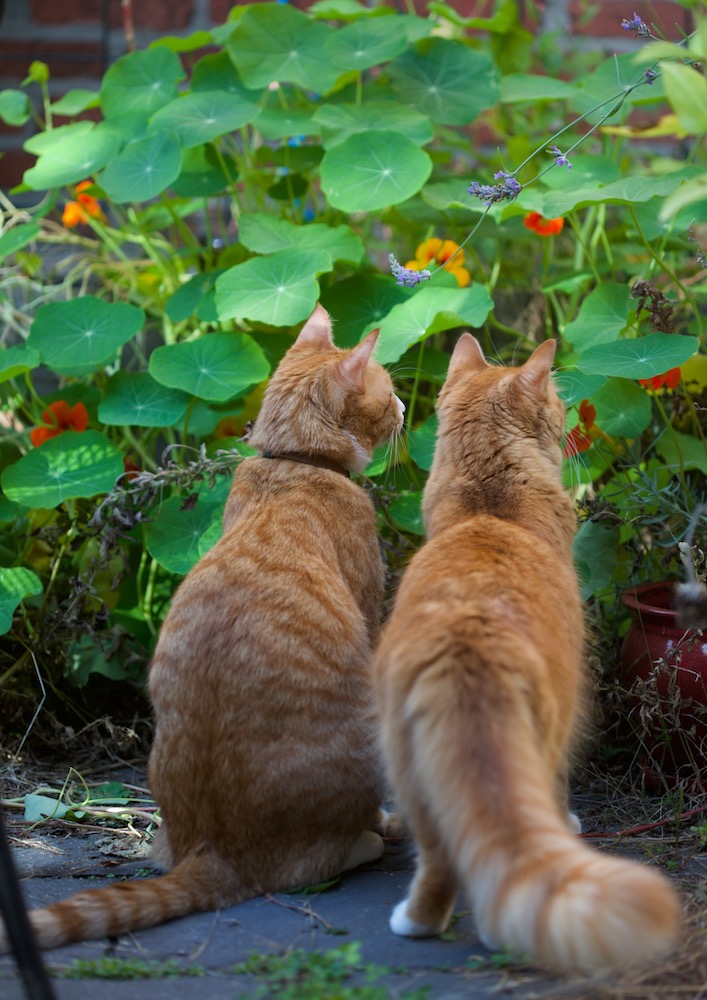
(669, 379)
(76, 212)
(579, 438)
(59, 418)
(443, 253)
(542, 226)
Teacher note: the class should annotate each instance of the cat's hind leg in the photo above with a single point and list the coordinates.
(368, 847)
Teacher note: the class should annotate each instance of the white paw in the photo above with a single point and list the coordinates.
(401, 924)
(575, 822)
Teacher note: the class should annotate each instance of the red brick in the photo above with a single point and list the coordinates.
(13, 164)
(159, 15)
(63, 58)
(606, 22)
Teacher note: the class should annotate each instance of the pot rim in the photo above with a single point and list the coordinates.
(638, 598)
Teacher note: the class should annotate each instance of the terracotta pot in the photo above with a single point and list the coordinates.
(664, 667)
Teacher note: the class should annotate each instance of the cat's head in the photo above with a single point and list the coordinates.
(327, 402)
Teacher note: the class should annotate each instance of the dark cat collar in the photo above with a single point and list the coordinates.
(317, 460)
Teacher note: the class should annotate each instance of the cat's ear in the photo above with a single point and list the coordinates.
(352, 369)
(316, 332)
(467, 355)
(536, 369)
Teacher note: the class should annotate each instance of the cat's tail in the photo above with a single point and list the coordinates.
(200, 882)
(535, 888)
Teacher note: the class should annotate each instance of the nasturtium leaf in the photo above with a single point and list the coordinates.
(15, 107)
(520, 88)
(446, 80)
(203, 116)
(216, 72)
(595, 549)
(266, 233)
(79, 336)
(686, 90)
(74, 464)
(626, 191)
(212, 533)
(188, 43)
(346, 10)
(406, 512)
(422, 442)
(16, 582)
(623, 408)
(42, 142)
(202, 173)
(277, 43)
(217, 366)
(603, 316)
(284, 123)
(135, 398)
(430, 310)
(81, 153)
(372, 170)
(280, 289)
(17, 360)
(642, 357)
(144, 168)
(338, 121)
(141, 81)
(73, 102)
(184, 302)
(14, 239)
(608, 80)
(358, 304)
(173, 534)
(682, 451)
(365, 43)
(573, 386)
(587, 171)
(40, 807)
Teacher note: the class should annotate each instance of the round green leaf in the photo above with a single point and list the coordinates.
(135, 398)
(446, 80)
(17, 360)
(73, 102)
(202, 174)
(682, 451)
(280, 289)
(520, 88)
(74, 464)
(643, 357)
(15, 107)
(338, 121)
(173, 535)
(625, 191)
(187, 299)
(603, 316)
(266, 233)
(406, 512)
(623, 408)
(573, 386)
(141, 81)
(429, 311)
(422, 442)
(215, 367)
(19, 236)
(143, 169)
(372, 170)
(81, 335)
(216, 72)
(74, 158)
(365, 43)
(358, 304)
(277, 43)
(203, 116)
(282, 123)
(595, 549)
(16, 582)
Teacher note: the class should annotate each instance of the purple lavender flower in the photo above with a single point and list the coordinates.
(405, 276)
(561, 159)
(650, 75)
(507, 190)
(638, 26)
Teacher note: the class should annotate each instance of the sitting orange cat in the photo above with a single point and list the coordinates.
(265, 761)
(479, 677)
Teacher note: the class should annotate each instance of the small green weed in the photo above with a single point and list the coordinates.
(303, 975)
(126, 968)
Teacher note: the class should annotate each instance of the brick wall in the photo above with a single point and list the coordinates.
(79, 39)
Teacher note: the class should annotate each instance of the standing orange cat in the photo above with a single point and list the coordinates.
(265, 760)
(479, 678)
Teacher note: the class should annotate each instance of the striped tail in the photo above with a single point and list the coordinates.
(200, 882)
(536, 890)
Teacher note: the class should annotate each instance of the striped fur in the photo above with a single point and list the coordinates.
(479, 678)
(265, 761)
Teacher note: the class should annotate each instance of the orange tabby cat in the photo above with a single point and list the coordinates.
(479, 681)
(265, 760)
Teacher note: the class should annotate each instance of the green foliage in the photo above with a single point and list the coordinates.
(222, 196)
(126, 968)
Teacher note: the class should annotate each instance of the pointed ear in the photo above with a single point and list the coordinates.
(467, 355)
(316, 332)
(352, 368)
(536, 369)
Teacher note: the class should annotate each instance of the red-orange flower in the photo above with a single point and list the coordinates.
(579, 438)
(59, 418)
(542, 226)
(669, 380)
(445, 253)
(77, 212)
